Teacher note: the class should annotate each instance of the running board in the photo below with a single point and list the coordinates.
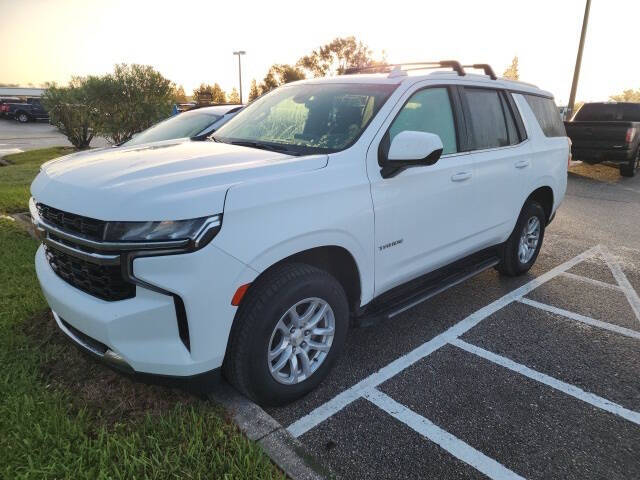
(386, 308)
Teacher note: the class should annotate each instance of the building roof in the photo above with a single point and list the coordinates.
(21, 91)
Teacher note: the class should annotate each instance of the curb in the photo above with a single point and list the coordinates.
(286, 451)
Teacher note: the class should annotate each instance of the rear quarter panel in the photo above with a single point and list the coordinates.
(549, 157)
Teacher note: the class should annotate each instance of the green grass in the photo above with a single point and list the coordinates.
(63, 415)
(16, 178)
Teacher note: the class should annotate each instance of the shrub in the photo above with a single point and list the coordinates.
(115, 106)
(130, 99)
(71, 110)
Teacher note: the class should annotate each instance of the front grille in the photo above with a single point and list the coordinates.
(102, 281)
(70, 222)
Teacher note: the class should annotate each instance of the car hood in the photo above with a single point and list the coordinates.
(162, 181)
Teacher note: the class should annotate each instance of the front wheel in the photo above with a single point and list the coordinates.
(630, 169)
(521, 249)
(288, 332)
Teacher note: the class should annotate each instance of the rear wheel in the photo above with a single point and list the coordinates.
(629, 169)
(287, 334)
(521, 249)
(22, 117)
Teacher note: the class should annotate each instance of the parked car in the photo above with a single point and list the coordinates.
(27, 111)
(182, 107)
(325, 202)
(607, 131)
(197, 124)
(564, 111)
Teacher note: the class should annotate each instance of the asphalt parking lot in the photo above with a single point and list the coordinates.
(16, 137)
(534, 377)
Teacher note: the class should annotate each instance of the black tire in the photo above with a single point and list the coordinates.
(267, 300)
(630, 169)
(510, 264)
(22, 117)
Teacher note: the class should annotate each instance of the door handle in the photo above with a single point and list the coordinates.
(523, 164)
(461, 176)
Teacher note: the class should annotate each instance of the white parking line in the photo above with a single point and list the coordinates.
(622, 280)
(450, 443)
(581, 318)
(572, 390)
(592, 281)
(337, 403)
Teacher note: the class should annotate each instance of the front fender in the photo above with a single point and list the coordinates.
(317, 239)
(271, 219)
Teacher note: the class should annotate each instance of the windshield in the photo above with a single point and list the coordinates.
(608, 112)
(307, 118)
(187, 124)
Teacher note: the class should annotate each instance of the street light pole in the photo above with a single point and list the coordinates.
(239, 53)
(576, 72)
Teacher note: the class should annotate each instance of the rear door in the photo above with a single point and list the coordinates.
(501, 158)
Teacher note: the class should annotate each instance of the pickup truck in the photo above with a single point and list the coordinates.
(607, 131)
(27, 111)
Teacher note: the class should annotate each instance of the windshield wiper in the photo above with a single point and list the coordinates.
(265, 146)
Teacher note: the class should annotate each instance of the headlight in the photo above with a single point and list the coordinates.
(200, 230)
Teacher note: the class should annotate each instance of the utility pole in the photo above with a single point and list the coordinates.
(239, 53)
(576, 72)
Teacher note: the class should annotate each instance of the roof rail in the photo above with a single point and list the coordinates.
(395, 69)
(484, 66)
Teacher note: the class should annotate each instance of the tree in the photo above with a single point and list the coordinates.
(512, 72)
(234, 96)
(209, 94)
(254, 91)
(279, 74)
(130, 100)
(178, 95)
(115, 106)
(71, 111)
(629, 95)
(336, 57)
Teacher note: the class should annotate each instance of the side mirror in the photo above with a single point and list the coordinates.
(411, 149)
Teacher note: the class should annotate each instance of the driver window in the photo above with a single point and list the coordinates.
(428, 110)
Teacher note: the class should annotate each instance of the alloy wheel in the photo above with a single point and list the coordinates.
(301, 341)
(529, 240)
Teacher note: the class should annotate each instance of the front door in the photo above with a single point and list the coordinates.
(424, 216)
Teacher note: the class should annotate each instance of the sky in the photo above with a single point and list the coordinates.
(192, 41)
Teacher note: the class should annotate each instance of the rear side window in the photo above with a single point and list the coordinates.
(487, 118)
(547, 114)
(428, 110)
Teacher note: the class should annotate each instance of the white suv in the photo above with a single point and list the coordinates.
(326, 202)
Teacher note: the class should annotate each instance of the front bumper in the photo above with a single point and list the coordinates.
(141, 334)
(199, 383)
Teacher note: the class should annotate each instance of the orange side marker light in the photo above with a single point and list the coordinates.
(239, 295)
